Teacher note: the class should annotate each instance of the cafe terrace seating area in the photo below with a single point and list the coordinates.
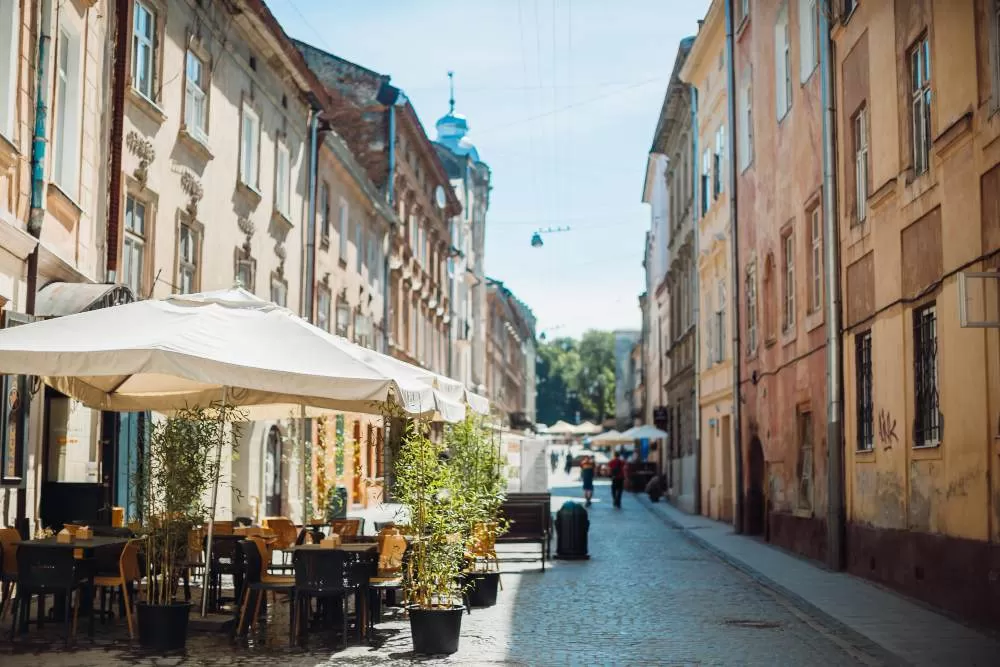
(331, 580)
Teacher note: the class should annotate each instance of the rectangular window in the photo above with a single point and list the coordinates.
(323, 211)
(788, 300)
(860, 132)
(805, 471)
(751, 292)
(66, 160)
(187, 256)
(144, 50)
(782, 64)
(10, 34)
(344, 229)
(743, 7)
(244, 274)
(196, 98)
(920, 91)
(282, 182)
(359, 247)
(323, 308)
(134, 246)
(706, 181)
(720, 323)
(745, 120)
(279, 292)
(815, 260)
(343, 318)
(927, 425)
(250, 148)
(717, 170)
(863, 388)
(808, 42)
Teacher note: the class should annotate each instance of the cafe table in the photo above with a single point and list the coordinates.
(86, 550)
(365, 555)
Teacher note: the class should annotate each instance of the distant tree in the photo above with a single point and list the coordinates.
(576, 376)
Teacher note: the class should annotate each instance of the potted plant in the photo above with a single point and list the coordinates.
(480, 490)
(425, 486)
(173, 482)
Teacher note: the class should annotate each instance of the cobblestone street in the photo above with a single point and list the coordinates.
(646, 596)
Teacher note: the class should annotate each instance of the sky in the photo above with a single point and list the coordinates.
(562, 97)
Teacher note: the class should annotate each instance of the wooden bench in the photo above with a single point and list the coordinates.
(529, 522)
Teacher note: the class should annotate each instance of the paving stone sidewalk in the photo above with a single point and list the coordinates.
(909, 631)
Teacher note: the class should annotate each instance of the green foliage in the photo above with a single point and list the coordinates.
(182, 466)
(425, 485)
(576, 376)
(477, 464)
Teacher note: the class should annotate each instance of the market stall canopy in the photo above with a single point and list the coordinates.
(562, 428)
(587, 428)
(193, 349)
(611, 437)
(644, 432)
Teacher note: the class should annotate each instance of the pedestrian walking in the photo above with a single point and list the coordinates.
(554, 458)
(569, 461)
(587, 476)
(617, 469)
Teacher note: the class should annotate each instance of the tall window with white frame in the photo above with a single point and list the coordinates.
(860, 132)
(751, 296)
(720, 322)
(808, 42)
(920, 91)
(283, 182)
(187, 259)
(788, 296)
(782, 63)
(344, 229)
(195, 97)
(863, 400)
(359, 244)
(10, 34)
(279, 291)
(927, 426)
(134, 246)
(144, 50)
(744, 11)
(323, 301)
(323, 211)
(745, 120)
(815, 260)
(244, 271)
(250, 148)
(719, 181)
(66, 157)
(706, 181)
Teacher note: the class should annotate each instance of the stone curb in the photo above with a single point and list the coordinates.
(857, 640)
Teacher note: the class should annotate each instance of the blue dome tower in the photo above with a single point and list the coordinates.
(453, 128)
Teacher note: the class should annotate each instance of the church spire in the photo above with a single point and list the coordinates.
(451, 86)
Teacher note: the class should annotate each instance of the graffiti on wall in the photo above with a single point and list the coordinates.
(887, 429)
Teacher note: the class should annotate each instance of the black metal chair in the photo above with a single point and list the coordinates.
(225, 561)
(256, 581)
(45, 571)
(243, 521)
(324, 574)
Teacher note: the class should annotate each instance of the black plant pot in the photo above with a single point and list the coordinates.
(163, 627)
(436, 631)
(655, 497)
(482, 588)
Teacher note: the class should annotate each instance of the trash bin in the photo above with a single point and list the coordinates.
(572, 525)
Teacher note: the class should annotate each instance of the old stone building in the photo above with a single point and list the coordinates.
(779, 164)
(919, 169)
(705, 70)
(510, 357)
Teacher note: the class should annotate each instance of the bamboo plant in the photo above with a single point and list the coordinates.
(182, 465)
(477, 465)
(426, 487)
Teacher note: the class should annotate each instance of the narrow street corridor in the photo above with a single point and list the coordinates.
(647, 596)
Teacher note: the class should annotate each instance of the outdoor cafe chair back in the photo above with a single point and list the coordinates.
(256, 580)
(346, 527)
(9, 539)
(47, 571)
(324, 573)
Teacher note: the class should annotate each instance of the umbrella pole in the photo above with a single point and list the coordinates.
(302, 462)
(211, 517)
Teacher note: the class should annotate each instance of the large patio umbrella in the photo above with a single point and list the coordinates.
(198, 349)
(609, 438)
(587, 428)
(561, 428)
(644, 432)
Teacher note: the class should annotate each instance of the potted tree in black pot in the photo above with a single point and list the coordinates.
(425, 486)
(173, 482)
(480, 489)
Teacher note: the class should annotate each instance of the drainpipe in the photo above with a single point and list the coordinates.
(390, 196)
(309, 307)
(734, 269)
(835, 521)
(696, 307)
(119, 78)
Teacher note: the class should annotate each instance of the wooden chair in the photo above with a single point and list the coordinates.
(286, 532)
(128, 573)
(256, 580)
(9, 539)
(389, 575)
(346, 527)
